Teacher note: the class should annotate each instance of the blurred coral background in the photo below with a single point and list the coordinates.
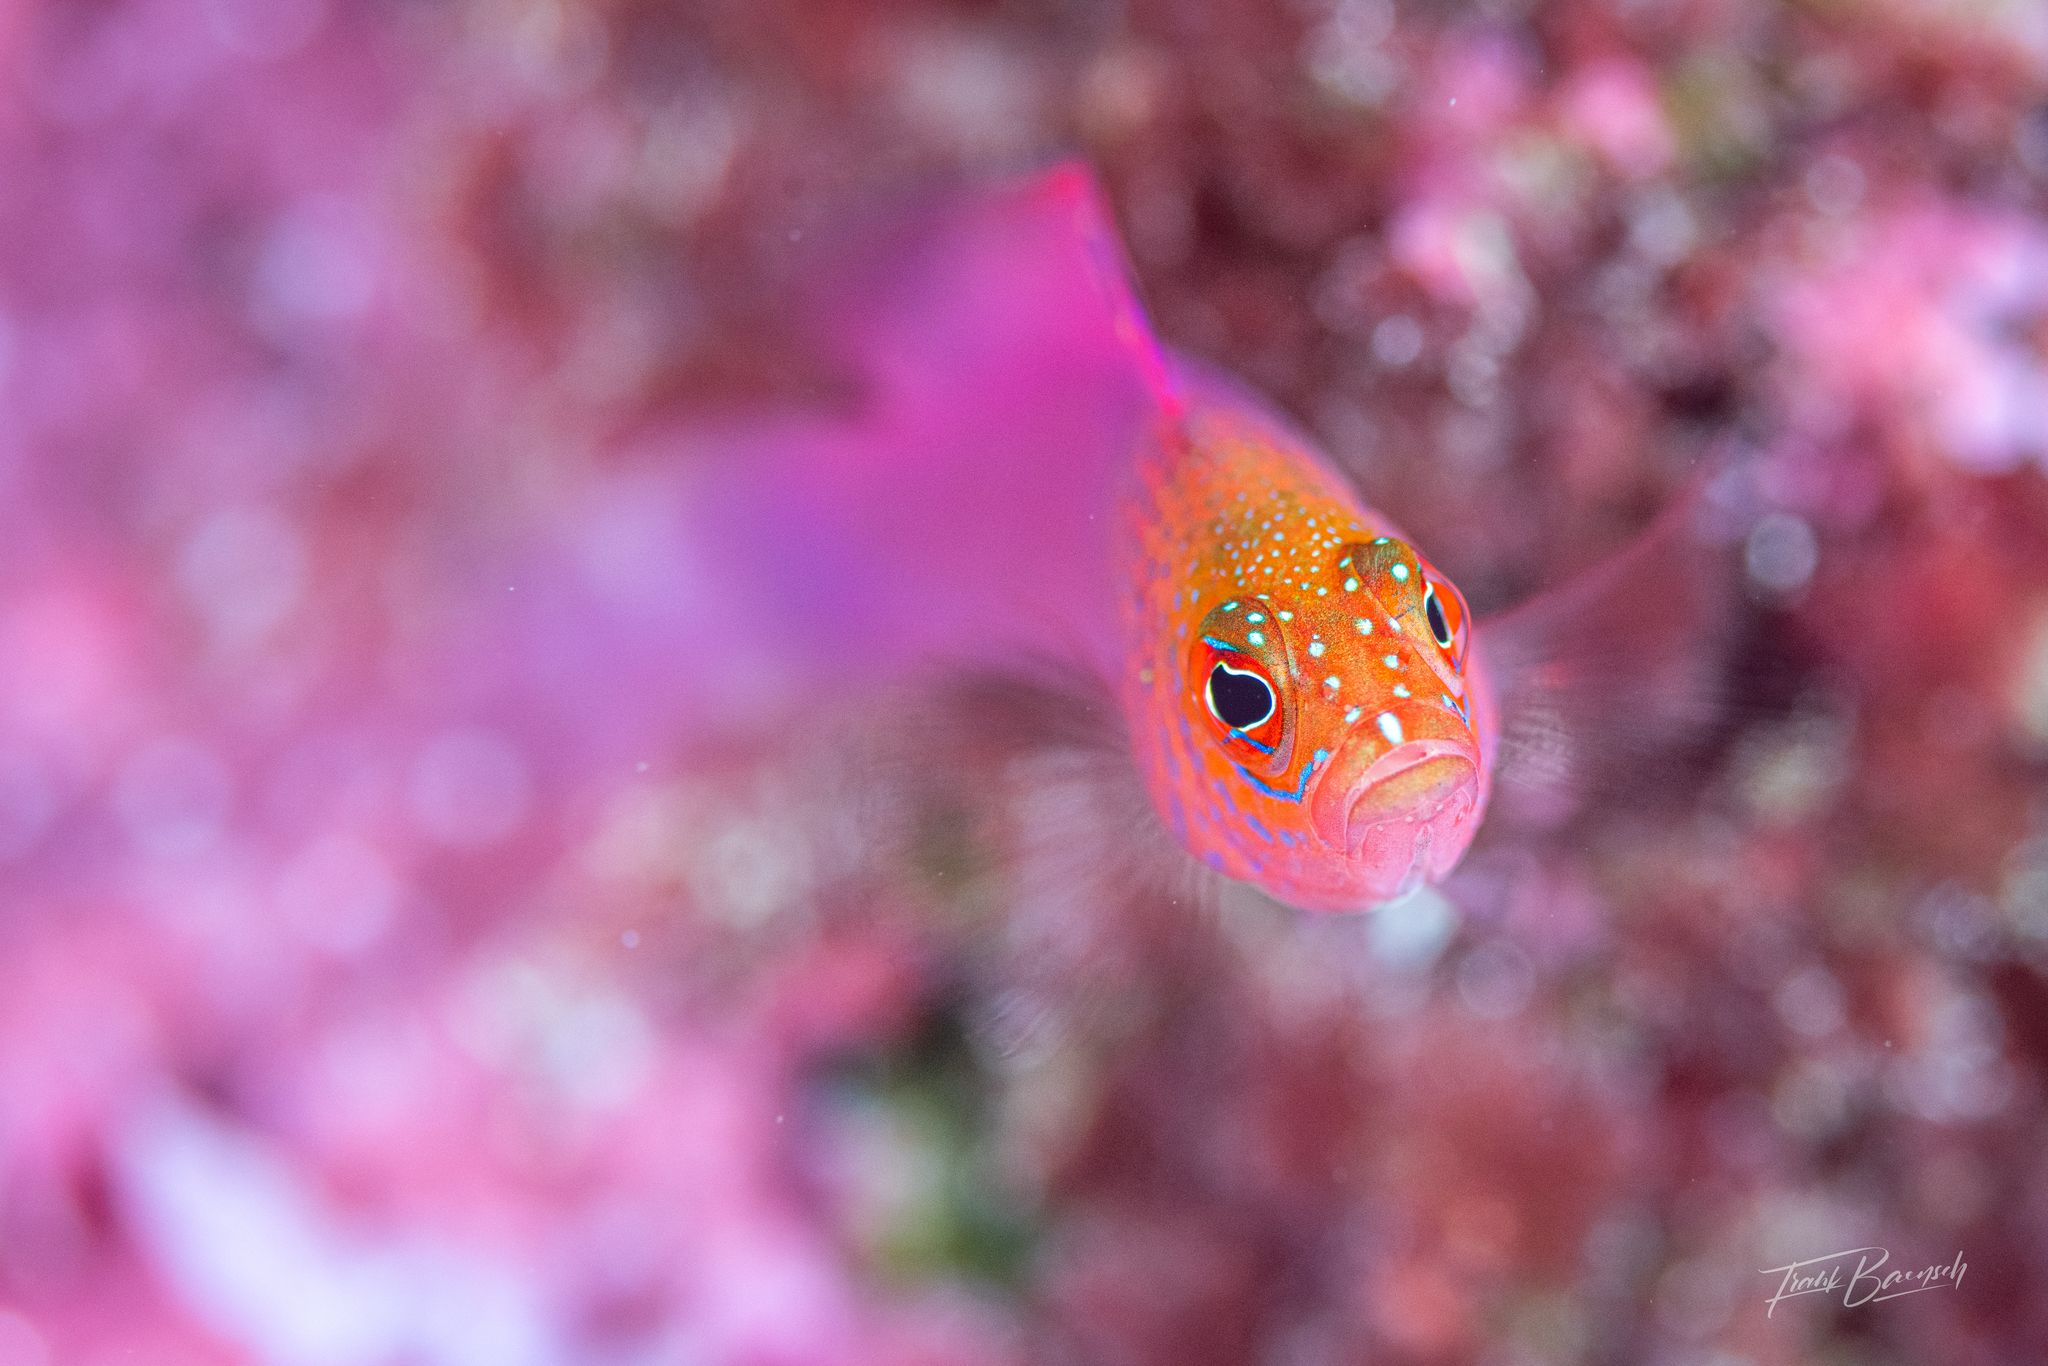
(368, 997)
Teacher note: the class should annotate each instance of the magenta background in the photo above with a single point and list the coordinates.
(367, 994)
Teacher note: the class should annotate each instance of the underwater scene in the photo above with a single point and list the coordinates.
(974, 683)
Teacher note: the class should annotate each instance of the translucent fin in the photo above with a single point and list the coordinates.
(966, 505)
(1072, 189)
(1079, 883)
(1603, 681)
(956, 502)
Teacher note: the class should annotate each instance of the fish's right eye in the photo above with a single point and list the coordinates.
(1240, 699)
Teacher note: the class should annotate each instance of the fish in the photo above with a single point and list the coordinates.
(1021, 470)
(1305, 693)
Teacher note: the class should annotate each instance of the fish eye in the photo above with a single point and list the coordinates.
(1240, 699)
(1438, 626)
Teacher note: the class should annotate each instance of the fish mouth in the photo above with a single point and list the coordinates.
(1402, 817)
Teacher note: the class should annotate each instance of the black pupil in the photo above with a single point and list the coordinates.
(1437, 625)
(1241, 699)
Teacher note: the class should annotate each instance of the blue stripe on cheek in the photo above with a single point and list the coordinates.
(1281, 794)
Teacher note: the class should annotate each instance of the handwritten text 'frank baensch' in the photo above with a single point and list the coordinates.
(1859, 1275)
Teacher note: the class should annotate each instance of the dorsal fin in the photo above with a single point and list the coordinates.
(959, 507)
(1074, 191)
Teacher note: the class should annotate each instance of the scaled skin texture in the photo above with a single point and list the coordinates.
(1255, 567)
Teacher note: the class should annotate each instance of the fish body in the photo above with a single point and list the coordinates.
(1302, 687)
(1029, 475)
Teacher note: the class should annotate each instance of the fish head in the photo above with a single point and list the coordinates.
(1341, 716)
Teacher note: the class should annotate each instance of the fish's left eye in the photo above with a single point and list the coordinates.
(1438, 626)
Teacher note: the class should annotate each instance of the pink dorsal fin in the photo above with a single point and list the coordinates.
(1073, 188)
(959, 508)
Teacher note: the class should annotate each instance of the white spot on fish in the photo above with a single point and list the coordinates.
(1333, 682)
(1393, 661)
(1285, 616)
(1364, 626)
(1400, 572)
(1315, 649)
(1351, 585)
(1401, 690)
(1256, 617)
(1351, 717)
(1256, 639)
(1390, 726)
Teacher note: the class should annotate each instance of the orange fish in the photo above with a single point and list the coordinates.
(1025, 473)
(1302, 689)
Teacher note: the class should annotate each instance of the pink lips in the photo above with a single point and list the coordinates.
(1402, 816)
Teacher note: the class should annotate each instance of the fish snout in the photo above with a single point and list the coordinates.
(1402, 810)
